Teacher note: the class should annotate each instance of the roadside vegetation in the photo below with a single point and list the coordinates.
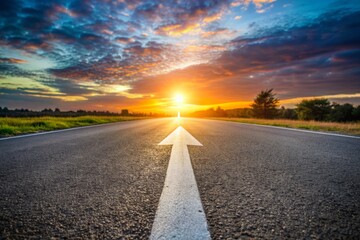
(10, 126)
(317, 114)
(352, 128)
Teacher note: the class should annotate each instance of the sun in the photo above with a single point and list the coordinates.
(179, 98)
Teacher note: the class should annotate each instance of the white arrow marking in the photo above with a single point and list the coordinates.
(180, 214)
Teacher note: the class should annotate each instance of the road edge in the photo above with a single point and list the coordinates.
(64, 130)
(288, 128)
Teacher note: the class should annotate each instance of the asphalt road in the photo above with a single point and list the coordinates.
(254, 182)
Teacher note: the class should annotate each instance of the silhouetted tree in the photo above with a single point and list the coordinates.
(287, 113)
(356, 113)
(57, 110)
(265, 104)
(125, 112)
(47, 110)
(219, 112)
(341, 113)
(315, 109)
(239, 112)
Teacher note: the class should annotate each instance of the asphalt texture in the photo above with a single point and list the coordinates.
(95, 183)
(105, 182)
(267, 183)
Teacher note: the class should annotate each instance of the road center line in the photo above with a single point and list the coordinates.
(180, 214)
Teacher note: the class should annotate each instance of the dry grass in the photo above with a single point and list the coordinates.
(344, 128)
(10, 126)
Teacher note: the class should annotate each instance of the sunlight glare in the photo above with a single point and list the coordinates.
(179, 98)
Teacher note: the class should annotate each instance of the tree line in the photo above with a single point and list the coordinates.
(5, 112)
(266, 105)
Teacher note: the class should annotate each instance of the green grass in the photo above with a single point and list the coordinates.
(343, 128)
(14, 126)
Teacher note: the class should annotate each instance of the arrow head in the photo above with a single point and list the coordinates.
(180, 136)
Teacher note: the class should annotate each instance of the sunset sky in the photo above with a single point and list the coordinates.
(110, 55)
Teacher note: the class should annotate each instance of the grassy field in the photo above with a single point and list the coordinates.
(14, 126)
(344, 128)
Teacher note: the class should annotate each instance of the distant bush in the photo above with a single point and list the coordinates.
(356, 113)
(320, 109)
(6, 131)
(211, 112)
(342, 113)
(287, 113)
(239, 112)
(315, 109)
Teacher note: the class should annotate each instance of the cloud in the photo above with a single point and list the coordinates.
(222, 32)
(204, 48)
(213, 17)
(316, 60)
(260, 5)
(154, 46)
(125, 40)
(12, 60)
(175, 30)
(181, 18)
(136, 61)
(12, 69)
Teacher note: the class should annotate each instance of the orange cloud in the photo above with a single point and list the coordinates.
(32, 47)
(62, 9)
(107, 31)
(200, 48)
(177, 30)
(260, 3)
(222, 32)
(212, 18)
(12, 60)
(125, 40)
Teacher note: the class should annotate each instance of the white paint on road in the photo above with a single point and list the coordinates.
(180, 214)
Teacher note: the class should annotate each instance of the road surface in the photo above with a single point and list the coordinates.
(106, 181)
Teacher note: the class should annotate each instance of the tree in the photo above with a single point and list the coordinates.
(265, 104)
(341, 113)
(219, 112)
(124, 112)
(356, 113)
(287, 113)
(47, 110)
(314, 109)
